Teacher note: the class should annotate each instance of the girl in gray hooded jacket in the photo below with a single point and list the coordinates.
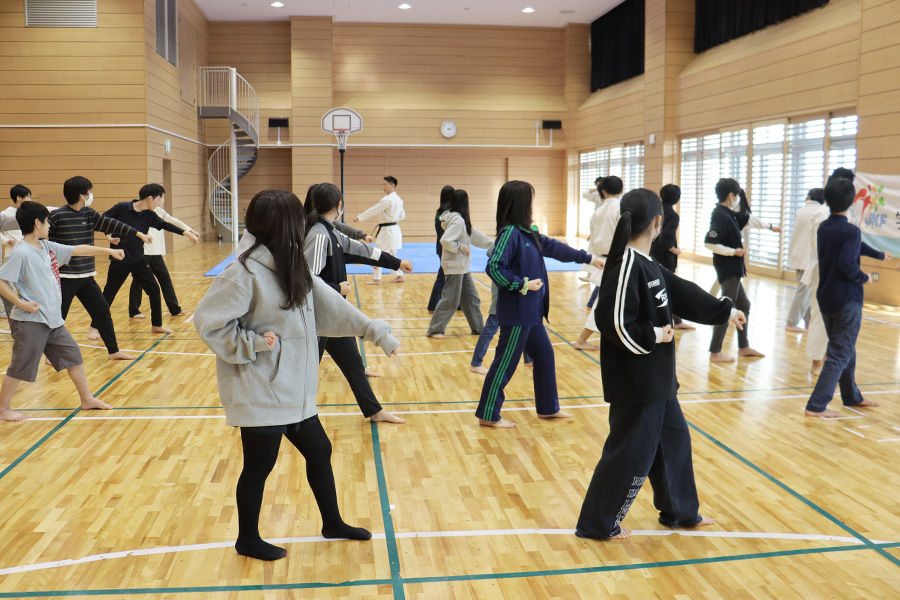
(459, 286)
(261, 317)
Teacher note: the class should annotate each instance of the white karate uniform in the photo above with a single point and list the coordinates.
(389, 239)
(817, 338)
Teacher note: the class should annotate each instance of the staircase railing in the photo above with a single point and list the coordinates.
(224, 93)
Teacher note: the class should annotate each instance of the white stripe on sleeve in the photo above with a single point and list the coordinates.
(619, 308)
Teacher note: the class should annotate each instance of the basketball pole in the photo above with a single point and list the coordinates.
(344, 213)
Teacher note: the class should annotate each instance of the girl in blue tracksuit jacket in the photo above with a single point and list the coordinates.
(517, 267)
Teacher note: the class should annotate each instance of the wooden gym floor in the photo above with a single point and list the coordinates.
(139, 502)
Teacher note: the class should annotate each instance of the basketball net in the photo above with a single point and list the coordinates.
(342, 139)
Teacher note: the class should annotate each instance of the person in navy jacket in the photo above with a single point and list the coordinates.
(517, 267)
(840, 298)
(648, 436)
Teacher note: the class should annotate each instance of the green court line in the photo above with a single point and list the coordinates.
(393, 554)
(868, 543)
(451, 578)
(49, 434)
(196, 589)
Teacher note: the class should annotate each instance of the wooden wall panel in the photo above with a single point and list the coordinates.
(807, 64)
(423, 172)
(311, 93)
(272, 171)
(167, 110)
(261, 53)
(494, 82)
(73, 75)
(878, 140)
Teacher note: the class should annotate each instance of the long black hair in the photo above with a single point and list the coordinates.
(446, 199)
(276, 220)
(514, 206)
(639, 208)
(460, 205)
(321, 198)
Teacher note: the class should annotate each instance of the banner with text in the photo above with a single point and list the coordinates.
(877, 203)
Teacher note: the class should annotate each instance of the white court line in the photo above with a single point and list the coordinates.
(854, 432)
(447, 411)
(855, 411)
(436, 534)
(190, 318)
(890, 440)
(883, 322)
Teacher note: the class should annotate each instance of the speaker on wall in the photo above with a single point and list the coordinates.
(278, 122)
(551, 124)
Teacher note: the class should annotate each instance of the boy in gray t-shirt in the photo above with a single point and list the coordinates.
(36, 320)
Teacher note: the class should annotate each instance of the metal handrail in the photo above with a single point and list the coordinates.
(223, 87)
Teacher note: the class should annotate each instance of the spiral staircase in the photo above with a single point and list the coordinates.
(226, 95)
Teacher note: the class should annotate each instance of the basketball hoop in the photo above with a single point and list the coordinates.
(342, 122)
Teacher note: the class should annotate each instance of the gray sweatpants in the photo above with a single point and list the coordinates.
(734, 289)
(459, 291)
(801, 303)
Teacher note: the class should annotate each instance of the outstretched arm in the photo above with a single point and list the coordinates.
(693, 303)
(335, 317)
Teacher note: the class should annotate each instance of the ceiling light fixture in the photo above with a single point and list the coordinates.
(528, 10)
(404, 6)
(277, 4)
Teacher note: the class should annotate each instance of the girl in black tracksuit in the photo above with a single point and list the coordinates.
(648, 435)
(328, 251)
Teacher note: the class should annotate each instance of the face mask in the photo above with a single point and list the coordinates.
(90, 199)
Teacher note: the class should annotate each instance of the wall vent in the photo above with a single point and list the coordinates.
(60, 13)
(167, 30)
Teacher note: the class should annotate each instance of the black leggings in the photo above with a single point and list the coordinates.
(260, 454)
(346, 356)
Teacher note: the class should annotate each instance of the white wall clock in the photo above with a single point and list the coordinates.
(448, 129)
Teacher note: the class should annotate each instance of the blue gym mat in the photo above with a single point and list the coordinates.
(424, 260)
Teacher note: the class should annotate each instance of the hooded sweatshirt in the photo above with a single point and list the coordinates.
(258, 385)
(455, 238)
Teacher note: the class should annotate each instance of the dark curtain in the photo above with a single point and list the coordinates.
(617, 45)
(720, 21)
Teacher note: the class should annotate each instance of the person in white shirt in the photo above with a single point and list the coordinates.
(594, 196)
(800, 259)
(388, 237)
(603, 228)
(154, 251)
(817, 338)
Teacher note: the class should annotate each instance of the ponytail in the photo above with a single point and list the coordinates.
(639, 208)
(321, 199)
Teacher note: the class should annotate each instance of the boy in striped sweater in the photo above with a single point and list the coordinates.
(73, 225)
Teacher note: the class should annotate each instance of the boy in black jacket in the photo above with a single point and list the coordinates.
(725, 241)
(648, 435)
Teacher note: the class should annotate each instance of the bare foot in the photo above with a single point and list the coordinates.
(138, 316)
(684, 327)
(398, 279)
(438, 336)
(11, 415)
(825, 414)
(373, 282)
(750, 352)
(47, 362)
(529, 365)
(481, 370)
(383, 416)
(816, 367)
(867, 402)
(585, 279)
(623, 534)
(557, 415)
(501, 424)
(705, 521)
(430, 312)
(161, 330)
(720, 357)
(184, 312)
(371, 373)
(94, 404)
(585, 346)
(795, 329)
(93, 334)
(121, 356)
